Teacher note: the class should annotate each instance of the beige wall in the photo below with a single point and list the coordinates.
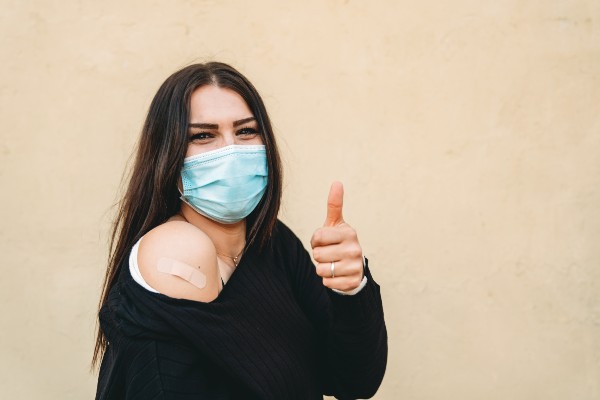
(467, 133)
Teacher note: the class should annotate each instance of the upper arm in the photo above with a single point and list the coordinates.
(185, 248)
(307, 286)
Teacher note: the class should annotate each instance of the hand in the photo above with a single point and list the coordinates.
(337, 242)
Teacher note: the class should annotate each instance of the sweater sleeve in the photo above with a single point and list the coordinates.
(352, 329)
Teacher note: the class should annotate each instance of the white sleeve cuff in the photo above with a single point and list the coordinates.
(353, 291)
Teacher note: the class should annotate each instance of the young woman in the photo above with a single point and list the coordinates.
(207, 295)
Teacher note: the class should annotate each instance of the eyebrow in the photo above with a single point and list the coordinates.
(216, 126)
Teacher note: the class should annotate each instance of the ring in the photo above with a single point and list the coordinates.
(333, 269)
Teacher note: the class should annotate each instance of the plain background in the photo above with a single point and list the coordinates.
(467, 134)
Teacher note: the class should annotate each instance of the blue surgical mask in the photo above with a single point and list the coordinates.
(226, 184)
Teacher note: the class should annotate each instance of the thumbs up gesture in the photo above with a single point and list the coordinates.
(335, 246)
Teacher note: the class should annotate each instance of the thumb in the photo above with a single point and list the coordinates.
(335, 202)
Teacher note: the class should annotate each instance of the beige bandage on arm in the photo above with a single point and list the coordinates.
(182, 270)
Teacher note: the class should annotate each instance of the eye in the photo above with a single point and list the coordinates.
(247, 132)
(201, 136)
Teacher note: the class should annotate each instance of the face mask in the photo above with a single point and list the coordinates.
(226, 184)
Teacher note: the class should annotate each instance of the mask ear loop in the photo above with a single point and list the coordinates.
(182, 197)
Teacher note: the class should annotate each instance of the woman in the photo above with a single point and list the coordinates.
(207, 295)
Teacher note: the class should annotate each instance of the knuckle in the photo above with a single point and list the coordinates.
(319, 269)
(356, 251)
(323, 270)
(317, 236)
(317, 253)
(352, 234)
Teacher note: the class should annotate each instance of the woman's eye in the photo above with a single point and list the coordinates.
(200, 136)
(247, 132)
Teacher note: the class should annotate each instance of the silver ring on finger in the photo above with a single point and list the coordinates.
(333, 269)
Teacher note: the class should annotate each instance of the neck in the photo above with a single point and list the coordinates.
(229, 239)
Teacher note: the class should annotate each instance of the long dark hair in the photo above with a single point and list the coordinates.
(152, 196)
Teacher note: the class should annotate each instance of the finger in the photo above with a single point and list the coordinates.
(328, 236)
(335, 203)
(324, 269)
(347, 250)
(344, 283)
(324, 254)
(341, 269)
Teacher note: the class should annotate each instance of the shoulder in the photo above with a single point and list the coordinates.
(179, 260)
(282, 232)
(176, 236)
(290, 249)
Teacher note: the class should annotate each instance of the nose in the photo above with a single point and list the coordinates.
(229, 138)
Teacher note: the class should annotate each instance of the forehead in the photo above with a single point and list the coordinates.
(213, 104)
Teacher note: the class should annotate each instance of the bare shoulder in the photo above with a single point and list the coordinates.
(180, 261)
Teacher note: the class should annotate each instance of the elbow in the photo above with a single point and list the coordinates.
(369, 390)
(367, 385)
(376, 374)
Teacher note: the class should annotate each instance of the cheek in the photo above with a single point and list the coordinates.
(191, 150)
(195, 149)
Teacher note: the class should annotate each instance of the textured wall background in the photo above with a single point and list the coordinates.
(467, 134)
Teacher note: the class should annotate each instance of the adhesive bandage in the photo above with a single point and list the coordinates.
(182, 270)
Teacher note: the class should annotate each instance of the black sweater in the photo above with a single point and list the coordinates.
(274, 332)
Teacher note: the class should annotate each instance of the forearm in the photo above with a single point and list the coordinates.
(356, 343)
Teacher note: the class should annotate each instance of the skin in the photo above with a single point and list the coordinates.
(220, 117)
(216, 116)
(337, 241)
(178, 240)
